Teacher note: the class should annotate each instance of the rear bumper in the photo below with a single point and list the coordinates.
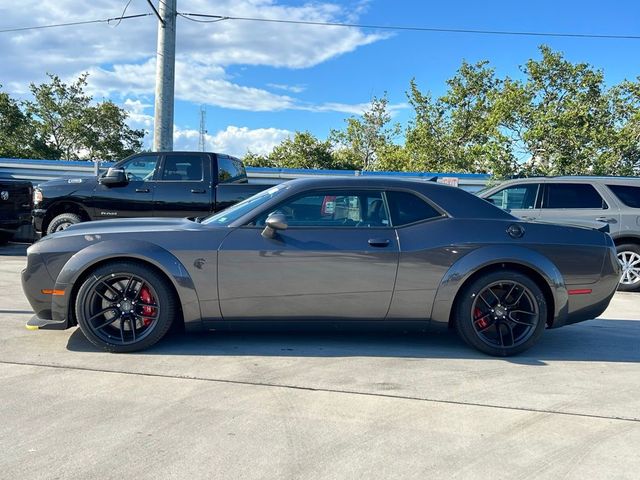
(586, 302)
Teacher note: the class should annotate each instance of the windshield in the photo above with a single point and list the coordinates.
(233, 213)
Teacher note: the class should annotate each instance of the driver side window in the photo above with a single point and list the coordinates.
(333, 209)
(141, 168)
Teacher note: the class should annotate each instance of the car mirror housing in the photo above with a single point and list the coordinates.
(274, 222)
(114, 176)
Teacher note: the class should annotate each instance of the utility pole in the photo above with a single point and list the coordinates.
(165, 76)
(203, 129)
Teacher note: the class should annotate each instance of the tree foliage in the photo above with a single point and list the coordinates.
(366, 140)
(61, 121)
(18, 136)
(558, 118)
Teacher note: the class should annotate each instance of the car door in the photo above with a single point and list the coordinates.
(336, 260)
(132, 199)
(183, 188)
(521, 200)
(563, 202)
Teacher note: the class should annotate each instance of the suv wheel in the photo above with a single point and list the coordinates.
(629, 258)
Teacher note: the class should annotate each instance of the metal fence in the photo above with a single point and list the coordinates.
(38, 171)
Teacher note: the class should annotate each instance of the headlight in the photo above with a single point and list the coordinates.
(37, 196)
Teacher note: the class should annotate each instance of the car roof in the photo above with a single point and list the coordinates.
(574, 179)
(456, 202)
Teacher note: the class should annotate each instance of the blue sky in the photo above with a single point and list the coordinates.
(259, 82)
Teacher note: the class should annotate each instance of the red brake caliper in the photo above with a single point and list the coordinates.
(482, 323)
(146, 297)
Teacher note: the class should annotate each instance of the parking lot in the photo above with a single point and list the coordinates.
(317, 404)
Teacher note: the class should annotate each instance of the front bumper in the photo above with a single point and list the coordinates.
(37, 323)
(38, 218)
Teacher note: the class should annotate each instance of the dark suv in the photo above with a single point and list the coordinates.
(579, 200)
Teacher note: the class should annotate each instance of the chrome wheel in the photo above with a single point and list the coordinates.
(630, 263)
(505, 314)
(121, 308)
(62, 226)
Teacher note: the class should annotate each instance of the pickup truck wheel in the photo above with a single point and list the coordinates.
(125, 307)
(62, 221)
(629, 258)
(501, 313)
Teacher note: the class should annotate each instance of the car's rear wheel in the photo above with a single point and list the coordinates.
(629, 258)
(124, 307)
(62, 222)
(501, 313)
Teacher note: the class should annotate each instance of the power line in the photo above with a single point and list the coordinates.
(184, 15)
(70, 24)
(123, 12)
(416, 29)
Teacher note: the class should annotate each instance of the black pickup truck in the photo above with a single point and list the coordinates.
(15, 207)
(150, 184)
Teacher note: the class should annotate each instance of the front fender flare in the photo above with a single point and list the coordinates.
(490, 255)
(141, 250)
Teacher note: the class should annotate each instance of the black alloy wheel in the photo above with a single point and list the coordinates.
(502, 313)
(124, 307)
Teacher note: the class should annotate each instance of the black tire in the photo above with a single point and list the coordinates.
(116, 314)
(490, 313)
(628, 255)
(62, 221)
(5, 237)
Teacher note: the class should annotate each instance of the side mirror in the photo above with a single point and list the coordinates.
(114, 176)
(274, 222)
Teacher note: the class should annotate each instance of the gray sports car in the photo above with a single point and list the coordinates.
(373, 249)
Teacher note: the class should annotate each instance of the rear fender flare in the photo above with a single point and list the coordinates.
(487, 256)
(144, 251)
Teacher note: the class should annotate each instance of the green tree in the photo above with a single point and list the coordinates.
(76, 129)
(460, 131)
(18, 136)
(567, 120)
(362, 145)
(302, 151)
(256, 160)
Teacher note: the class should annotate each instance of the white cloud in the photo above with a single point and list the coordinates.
(233, 140)
(121, 59)
(287, 88)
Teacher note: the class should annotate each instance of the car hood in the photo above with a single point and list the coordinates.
(128, 225)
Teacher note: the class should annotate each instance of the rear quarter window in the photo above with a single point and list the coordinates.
(406, 208)
(627, 194)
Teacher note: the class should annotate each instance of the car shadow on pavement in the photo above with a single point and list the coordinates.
(14, 250)
(597, 340)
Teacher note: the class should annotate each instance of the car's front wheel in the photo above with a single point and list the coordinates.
(629, 258)
(501, 313)
(125, 307)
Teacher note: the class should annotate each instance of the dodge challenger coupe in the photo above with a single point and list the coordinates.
(356, 249)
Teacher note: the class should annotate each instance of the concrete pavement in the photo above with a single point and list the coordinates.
(321, 404)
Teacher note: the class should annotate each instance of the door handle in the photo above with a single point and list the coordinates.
(379, 242)
(606, 219)
(142, 190)
(198, 190)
